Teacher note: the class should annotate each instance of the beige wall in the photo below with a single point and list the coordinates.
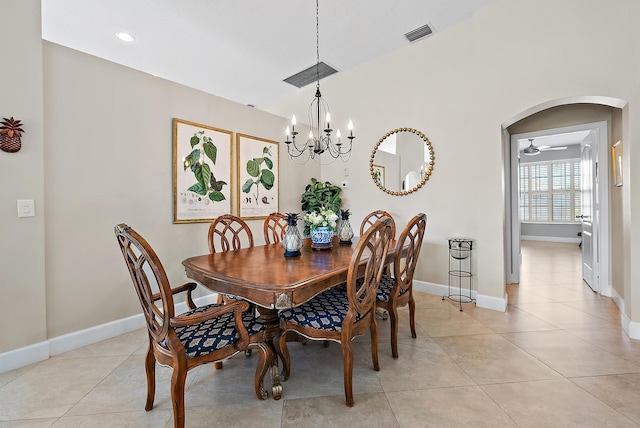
(458, 87)
(109, 160)
(22, 263)
(618, 246)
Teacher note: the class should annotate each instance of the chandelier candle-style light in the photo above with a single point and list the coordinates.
(320, 138)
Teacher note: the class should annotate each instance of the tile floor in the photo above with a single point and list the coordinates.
(557, 357)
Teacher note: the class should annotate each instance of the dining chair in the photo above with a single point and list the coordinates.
(200, 335)
(337, 316)
(229, 233)
(397, 290)
(370, 219)
(275, 226)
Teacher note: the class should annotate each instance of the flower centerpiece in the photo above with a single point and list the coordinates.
(322, 226)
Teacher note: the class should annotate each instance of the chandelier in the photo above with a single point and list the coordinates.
(320, 138)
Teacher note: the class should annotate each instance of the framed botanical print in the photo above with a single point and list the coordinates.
(258, 175)
(201, 172)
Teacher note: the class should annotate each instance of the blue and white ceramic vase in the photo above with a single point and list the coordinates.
(321, 237)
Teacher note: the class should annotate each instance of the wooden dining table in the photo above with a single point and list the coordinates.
(262, 275)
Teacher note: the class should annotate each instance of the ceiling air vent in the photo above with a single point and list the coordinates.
(309, 75)
(418, 33)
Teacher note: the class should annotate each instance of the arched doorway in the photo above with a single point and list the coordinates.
(568, 113)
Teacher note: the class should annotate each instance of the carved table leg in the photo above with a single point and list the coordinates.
(272, 329)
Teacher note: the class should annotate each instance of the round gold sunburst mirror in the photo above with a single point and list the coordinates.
(401, 161)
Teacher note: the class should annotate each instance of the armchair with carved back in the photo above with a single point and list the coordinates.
(210, 333)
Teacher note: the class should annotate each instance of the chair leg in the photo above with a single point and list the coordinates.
(347, 359)
(150, 368)
(178, 379)
(280, 342)
(393, 318)
(374, 343)
(412, 316)
(218, 364)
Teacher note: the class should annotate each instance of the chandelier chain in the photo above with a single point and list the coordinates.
(317, 47)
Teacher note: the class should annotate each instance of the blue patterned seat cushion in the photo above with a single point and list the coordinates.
(326, 311)
(384, 288)
(216, 333)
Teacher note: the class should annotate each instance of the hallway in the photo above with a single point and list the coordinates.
(556, 358)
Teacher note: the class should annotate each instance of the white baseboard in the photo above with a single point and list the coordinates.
(550, 239)
(634, 330)
(78, 339)
(24, 356)
(431, 288)
(57, 345)
(494, 303)
(617, 299)
(482, 301)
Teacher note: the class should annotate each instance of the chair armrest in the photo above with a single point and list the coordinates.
(184, 320)
(188, 287)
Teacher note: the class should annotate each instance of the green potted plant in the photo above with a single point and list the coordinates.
(319, 196)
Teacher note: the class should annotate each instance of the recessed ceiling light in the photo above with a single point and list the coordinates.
(125, 36)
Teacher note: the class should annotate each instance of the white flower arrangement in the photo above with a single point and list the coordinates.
(322, 218)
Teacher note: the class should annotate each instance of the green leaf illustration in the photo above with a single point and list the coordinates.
(216, 196)
(194, 140)
(203, 174)
(246, 187)
(191, 159)
(253, 168)
(215, 184)
(211, 151)
(267, 179)
(198, 188)
(264, 177)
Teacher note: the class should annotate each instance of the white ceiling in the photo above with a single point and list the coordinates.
(243, 49)
(555, 140)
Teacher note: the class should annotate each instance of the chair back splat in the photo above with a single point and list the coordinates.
(275, 226)
(229, 233)
(370, 219)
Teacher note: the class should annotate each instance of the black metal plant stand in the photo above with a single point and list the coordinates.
(460, 271)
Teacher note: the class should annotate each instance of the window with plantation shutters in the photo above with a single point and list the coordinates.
(550, 191)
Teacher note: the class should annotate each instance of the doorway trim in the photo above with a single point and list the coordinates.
(512, 229)
(601, 221)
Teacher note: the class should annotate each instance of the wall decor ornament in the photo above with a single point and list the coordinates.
(292, 241)
(258, 175)
(201, 172)
(10, 135)
(345, 232)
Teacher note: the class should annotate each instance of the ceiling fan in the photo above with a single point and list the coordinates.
(533, 150)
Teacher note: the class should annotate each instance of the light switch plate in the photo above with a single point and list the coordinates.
(26, 208)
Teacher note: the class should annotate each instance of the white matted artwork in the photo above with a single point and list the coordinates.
(201, 172)
(616, 157)
(258, 176)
